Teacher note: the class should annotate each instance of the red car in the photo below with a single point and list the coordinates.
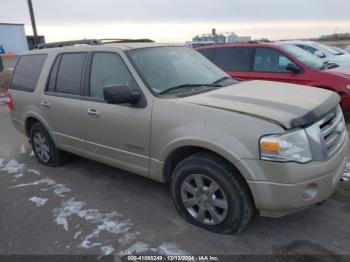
(280, 62)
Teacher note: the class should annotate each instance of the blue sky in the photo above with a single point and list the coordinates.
(179, 20)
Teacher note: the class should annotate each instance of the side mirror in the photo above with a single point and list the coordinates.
(293, 68)
(119, 94)
(320, 54)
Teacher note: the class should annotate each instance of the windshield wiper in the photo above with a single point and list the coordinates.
(187, 85)
(221, 79)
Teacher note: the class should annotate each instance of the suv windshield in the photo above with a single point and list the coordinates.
(304, 56)
(175, 68)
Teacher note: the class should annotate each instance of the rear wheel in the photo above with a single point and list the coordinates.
(44, 148)
(208, 192)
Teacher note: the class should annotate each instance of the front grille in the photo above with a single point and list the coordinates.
(333, 131)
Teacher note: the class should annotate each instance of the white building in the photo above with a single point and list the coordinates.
(13, 38)
(233, 38)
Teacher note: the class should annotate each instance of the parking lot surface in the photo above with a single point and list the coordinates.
(85, 207)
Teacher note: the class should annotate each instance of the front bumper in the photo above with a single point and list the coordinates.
(282, 188)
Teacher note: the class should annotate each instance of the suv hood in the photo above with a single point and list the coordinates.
(288, 105)
(340, 70)
(343, 60)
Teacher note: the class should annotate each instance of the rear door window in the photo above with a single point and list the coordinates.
(70, 73)
(27, 72)
(237, 59)
(51, 86)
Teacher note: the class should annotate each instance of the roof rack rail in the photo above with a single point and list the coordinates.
(92, 42)
(125, 40)
(69, 43)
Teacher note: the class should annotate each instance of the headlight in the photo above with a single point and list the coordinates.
(293, 146)
(348, 86)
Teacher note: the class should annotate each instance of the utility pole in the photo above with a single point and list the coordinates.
(32, 18)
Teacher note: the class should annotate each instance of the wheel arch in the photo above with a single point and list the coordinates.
(32, 118)
(179, 153)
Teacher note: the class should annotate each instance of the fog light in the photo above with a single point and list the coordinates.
(310, 192)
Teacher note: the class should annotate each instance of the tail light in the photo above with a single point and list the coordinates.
(9, 102)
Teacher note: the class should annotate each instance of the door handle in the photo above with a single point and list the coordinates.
(93, 112)
(45, 103)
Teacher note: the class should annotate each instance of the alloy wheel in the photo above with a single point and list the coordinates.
(41, 147)
(204, 199)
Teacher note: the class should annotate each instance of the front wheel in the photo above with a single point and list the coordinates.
(209, 193)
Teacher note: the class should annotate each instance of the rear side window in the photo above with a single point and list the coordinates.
(51, 86)
(69, 74)
(208, 53)
(237, 59)
(27, 72)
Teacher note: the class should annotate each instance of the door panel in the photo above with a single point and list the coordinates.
(61, 102)
(65, 118)
(301, 79)
(118, 135)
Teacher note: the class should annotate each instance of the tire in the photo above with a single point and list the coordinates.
(53, 156)
(227, 210)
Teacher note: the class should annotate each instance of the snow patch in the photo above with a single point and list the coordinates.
(22, 150)
(39, 201)
(128, 238)
(346, 175)
(112, 222)
(107, 250)
(61, 189)
(18, 175)
(106, 222)
(31, 153)
(170, 249)
(77, 234)
(137, 248)
(47, 181)
(33, 171)
(13, 167)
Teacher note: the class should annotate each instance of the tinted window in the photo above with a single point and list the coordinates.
(27, 72)
(51, 86)
(308, 48)
(109, 69)
(70, 73)
(270, 60)
(233, 59)
(208, 53)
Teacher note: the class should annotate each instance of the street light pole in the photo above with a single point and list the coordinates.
(32, 18)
